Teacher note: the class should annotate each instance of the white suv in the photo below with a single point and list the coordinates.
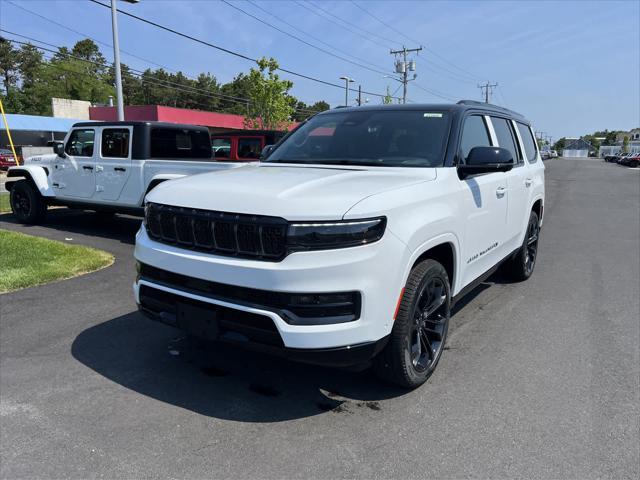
(352, 240)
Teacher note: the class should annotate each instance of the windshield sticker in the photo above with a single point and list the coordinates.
(432, 115)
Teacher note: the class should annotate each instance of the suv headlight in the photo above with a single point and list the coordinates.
(330, 235)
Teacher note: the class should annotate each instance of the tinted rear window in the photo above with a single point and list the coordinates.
(180, 143)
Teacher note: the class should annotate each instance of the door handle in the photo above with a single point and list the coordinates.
(87, 167)
(120, 169)
(528, 182)
(500, 191)
(99, 168)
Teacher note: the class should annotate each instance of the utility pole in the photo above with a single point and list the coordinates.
(359, 95)
(116, 57)
(403, 67)
(347, 81)
(487, 90)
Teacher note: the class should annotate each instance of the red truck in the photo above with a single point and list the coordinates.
(243, 145)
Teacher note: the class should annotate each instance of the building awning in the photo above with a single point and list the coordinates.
(36, 123)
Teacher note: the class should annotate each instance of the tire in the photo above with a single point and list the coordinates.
(634, 164)
(420, 329)
(521, 266)
(26, 203)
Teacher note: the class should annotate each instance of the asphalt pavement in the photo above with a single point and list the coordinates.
(540, 379)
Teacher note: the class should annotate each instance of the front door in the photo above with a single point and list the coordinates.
(74, 174)
(113, 164)
(484, 203)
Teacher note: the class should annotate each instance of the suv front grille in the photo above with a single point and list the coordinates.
(222, 233)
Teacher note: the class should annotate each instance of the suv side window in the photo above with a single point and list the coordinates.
(474, 134)
(528, 141)
(115, 143)
(80, 143)
(506, 137)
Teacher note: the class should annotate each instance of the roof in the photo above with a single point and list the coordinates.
(137, 123)
(461, 106)
(37, 123)
(579, 144)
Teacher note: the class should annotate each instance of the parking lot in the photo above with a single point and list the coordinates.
(540, 379)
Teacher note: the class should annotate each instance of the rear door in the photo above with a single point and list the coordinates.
(113, 165)
(484, 204)
(75, 174)
(517, 198)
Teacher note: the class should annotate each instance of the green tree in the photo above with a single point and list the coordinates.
(270, 105)
(560, 144)
(625, 144)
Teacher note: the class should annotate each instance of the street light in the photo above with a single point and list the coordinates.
(347, 81)
(116, 57)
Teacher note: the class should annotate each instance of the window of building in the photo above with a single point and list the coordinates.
(474, 134)
(505, 136)
(80, 143)
(115, 142)
(249, 148)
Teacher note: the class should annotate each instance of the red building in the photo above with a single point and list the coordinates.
(217, 122)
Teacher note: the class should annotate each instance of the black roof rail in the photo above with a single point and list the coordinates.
(489, 105)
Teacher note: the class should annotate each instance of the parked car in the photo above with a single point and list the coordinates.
(109, 166)
(630, 159)
(553, 153)
(613, 157)
(6, 159)
(243, 145)
(349, 246)
(545, 154)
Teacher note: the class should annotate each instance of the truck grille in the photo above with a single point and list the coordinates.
(222, 233)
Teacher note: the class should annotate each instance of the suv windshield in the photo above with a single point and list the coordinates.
(386, 138)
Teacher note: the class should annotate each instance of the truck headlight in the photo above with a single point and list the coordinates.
(329, 235)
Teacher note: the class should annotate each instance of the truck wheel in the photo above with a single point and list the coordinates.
(420, 328)
(634, 164)
(27, 203)
(521, 266)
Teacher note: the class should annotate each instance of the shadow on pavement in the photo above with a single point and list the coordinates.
(219, 380)
(117, 227)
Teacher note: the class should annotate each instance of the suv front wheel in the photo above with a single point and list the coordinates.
(420, 329)
(27, 203)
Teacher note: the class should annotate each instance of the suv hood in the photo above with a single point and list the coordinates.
(292, 192)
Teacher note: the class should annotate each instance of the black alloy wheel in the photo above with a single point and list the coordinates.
(420, 328)
(531, 246)
(429, 326)
(521, 266)
(26, 203)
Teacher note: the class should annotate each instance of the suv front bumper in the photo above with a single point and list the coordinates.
(375, 271)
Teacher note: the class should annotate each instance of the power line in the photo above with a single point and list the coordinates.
(255, 4)
(366, 37)
(470, 76)
(371, 34)
(86, 36)
(405, 67)
(264, 22)
(226, 50)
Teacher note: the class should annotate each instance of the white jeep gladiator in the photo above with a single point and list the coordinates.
(350, 242)
(109, 167)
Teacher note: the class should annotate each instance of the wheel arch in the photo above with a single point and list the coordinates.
(37, 176)
(443, 249)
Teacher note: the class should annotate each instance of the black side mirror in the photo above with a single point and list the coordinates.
(266, 151)
(58, 148)
(486, 160)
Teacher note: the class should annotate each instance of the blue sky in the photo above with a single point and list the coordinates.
(570, 67)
